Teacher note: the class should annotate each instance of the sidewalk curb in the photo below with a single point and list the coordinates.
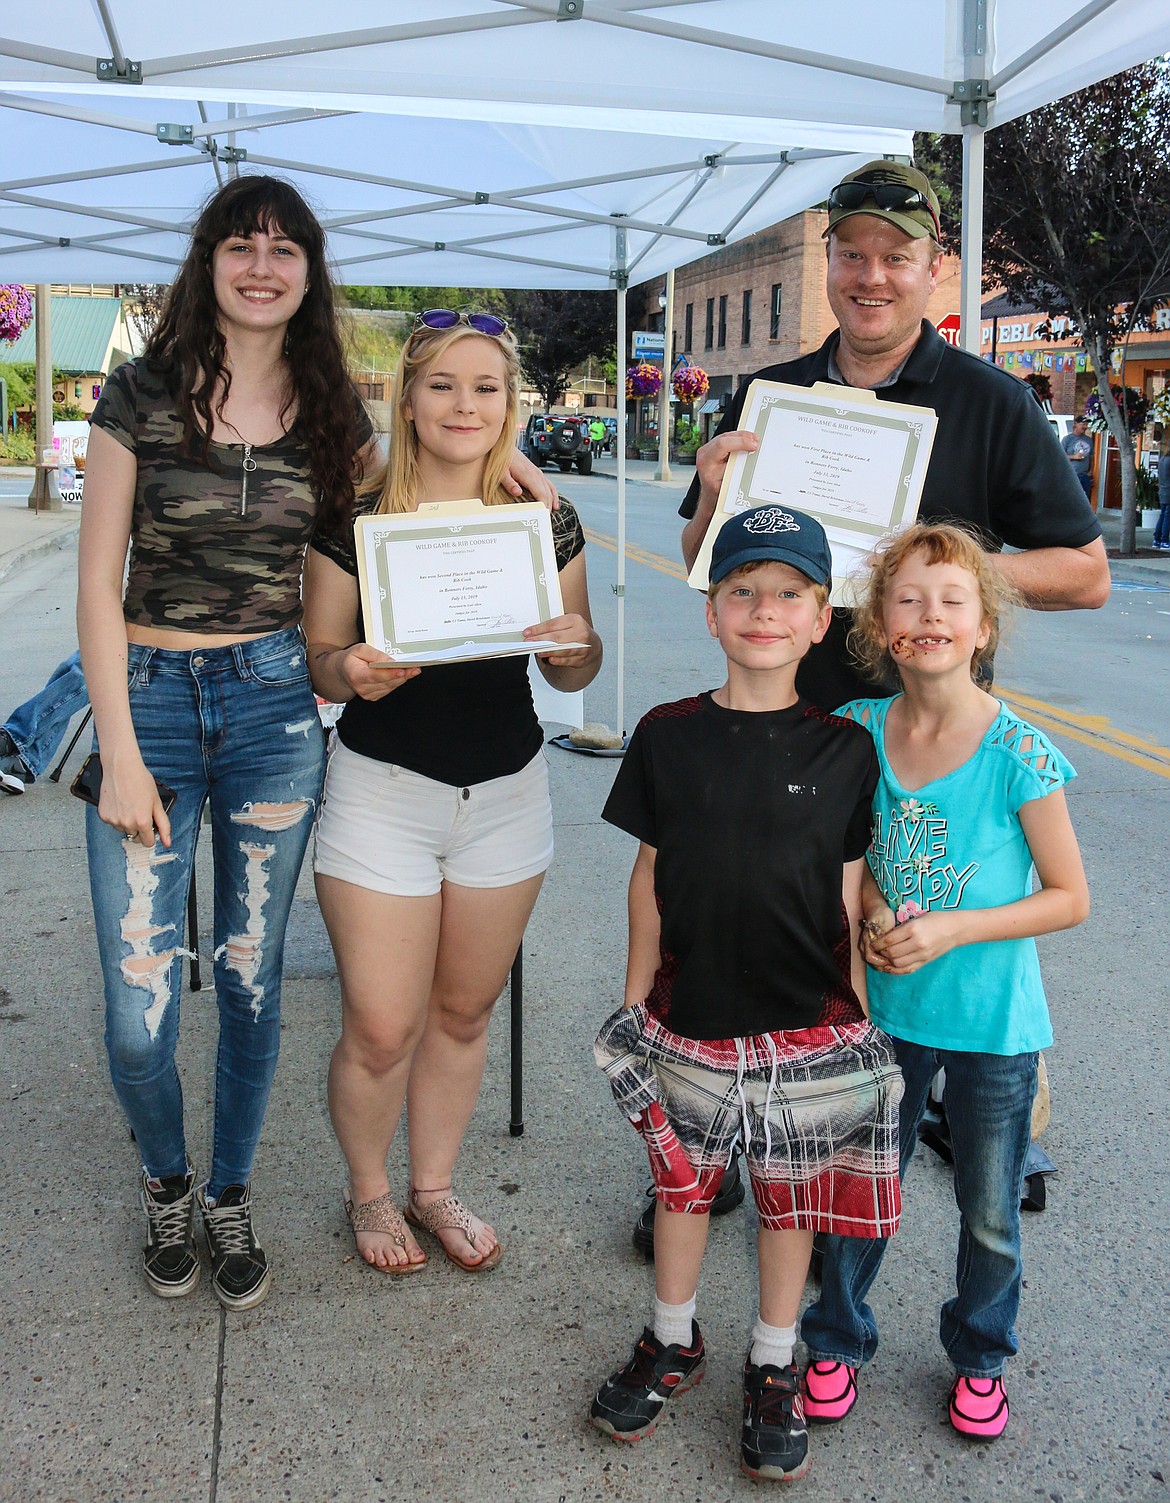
(61, 538)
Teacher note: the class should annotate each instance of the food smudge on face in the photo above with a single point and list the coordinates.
(901, 646)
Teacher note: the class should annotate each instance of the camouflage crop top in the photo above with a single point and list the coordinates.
(207, 552)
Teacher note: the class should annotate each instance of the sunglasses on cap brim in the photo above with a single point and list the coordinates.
(447, 318)
(851, 196)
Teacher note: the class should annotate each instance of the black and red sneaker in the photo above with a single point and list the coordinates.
(628, 1404)
(774, 1443)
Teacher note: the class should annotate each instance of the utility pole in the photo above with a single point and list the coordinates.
(44, 495)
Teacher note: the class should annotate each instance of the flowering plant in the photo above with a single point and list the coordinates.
(690, 383)
(1160, 407)
(643, 380)
(16, 311)
(1134, 409)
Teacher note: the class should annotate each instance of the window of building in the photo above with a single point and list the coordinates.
(709, 339)
(722, 320)
(689, 326)
(774, 322)
(745, 332)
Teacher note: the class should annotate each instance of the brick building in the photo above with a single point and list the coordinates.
(758, 302)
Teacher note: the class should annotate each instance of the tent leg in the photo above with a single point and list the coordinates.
(620, 586)
(971, 285)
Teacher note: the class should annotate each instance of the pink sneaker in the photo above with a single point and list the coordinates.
(830, 1391)
(978, 1407)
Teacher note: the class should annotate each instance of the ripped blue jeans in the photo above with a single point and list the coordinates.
(236, 726)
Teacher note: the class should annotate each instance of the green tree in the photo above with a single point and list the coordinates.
(1077, 221)
(21, 381)
(22, 391)
(557, 331)
(419, 299)
(144, 304)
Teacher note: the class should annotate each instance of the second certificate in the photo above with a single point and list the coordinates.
(451, 586)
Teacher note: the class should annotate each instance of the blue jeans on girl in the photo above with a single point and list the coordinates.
(236, 726)
(989, 1112)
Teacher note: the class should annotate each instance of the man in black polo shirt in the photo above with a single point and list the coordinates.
(995, 465)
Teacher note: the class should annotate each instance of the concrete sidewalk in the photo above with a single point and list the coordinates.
(350, 1386)
(26, 534)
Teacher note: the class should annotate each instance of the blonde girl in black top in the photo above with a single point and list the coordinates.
(436, 828)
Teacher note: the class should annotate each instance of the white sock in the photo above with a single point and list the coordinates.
(672, 1323)
(772, 1345)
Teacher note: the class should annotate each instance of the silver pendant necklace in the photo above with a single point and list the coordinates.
(247, 468)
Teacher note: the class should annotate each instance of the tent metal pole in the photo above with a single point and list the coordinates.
(619, 588)
(971, 283)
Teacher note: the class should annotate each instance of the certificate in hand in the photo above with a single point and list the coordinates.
(835, 453)
(457, 582)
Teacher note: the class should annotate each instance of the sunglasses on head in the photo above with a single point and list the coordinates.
(447, 318)
(884, 196)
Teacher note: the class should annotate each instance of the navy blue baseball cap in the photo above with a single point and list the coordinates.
(772, 534)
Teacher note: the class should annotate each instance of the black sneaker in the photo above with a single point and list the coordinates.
(169, 1259)
(240, 1274)
(774, 1444)
(730, 1195)
(627, 1405)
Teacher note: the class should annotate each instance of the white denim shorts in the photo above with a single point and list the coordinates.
(391, 830)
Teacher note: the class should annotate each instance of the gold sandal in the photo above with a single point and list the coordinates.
(450, 1213)
(382, 1215)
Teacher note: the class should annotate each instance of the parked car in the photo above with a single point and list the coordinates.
(563, 441)
(1060, 423)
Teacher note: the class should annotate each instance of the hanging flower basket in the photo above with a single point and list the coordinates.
(1134, 409)
(643, 380)
(690, 383)
(16, 311)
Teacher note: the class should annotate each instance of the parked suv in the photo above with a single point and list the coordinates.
(563, 441)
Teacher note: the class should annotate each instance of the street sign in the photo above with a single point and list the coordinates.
(949, 328)
(647, 345)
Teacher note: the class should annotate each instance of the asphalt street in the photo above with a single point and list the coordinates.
(347, 1385)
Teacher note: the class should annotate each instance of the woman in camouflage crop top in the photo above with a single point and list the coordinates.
(435, 829)
(212, 459)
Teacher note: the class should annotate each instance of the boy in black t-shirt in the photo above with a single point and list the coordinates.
(744, 1007)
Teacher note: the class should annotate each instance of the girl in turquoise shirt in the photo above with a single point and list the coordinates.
(970, 799)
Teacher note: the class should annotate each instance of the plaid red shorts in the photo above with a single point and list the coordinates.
(816, 1110)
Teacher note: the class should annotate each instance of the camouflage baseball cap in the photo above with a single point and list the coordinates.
(892, 191)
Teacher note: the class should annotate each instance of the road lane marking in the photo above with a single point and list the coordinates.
(1090, 730)
(637, 555)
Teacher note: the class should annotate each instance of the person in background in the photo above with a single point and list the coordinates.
(1162, 527)
(1079, 448)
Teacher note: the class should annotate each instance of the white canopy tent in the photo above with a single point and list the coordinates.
(570, 143)
(734, 73)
